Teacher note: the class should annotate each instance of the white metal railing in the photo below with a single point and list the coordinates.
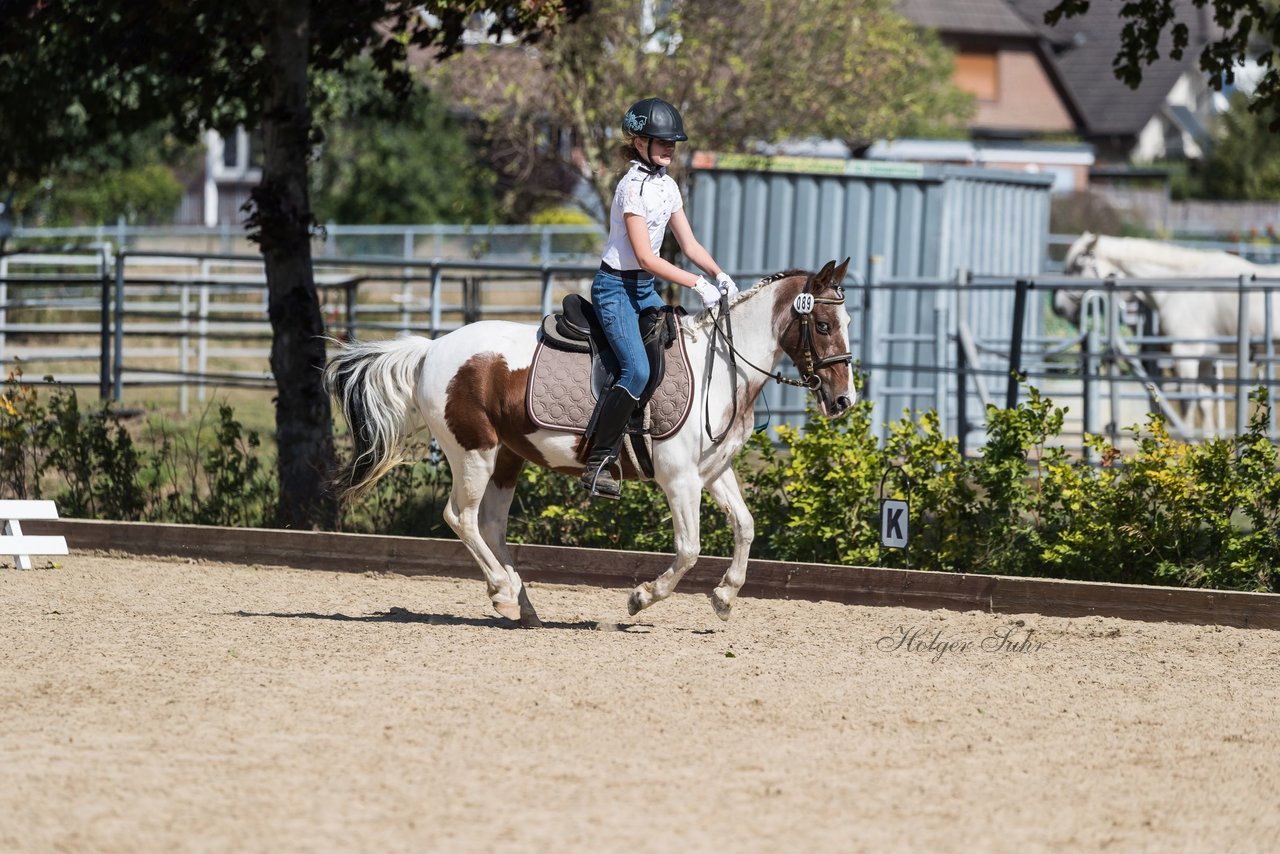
(197, 320)
(517, 243)
(181, 319)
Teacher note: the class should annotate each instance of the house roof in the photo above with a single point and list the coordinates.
(1079, 53)
(1082, 50)
(972, 17)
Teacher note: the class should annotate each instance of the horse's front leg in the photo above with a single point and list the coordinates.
(684, 497)
(728, 495)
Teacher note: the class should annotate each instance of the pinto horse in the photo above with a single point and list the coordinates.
(469, 388)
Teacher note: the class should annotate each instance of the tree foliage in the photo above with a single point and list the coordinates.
(76, 72)
(1248, 29)
(389, 160)
(1244, 162)
(742, 72)
(138, 178)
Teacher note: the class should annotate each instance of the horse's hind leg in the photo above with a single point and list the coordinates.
(684, 497)
(472, 471)
(728, 495)
(494, 510)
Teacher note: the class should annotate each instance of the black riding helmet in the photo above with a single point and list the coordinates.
(656, 119)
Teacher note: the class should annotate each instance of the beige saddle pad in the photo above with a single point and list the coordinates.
(559, 395)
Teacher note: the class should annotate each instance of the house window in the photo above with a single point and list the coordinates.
(977, 73)
(231, 154)
(241, 156)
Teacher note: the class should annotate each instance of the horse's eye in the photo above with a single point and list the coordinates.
(824, 328)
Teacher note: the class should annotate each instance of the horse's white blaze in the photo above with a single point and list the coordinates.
(468, 387)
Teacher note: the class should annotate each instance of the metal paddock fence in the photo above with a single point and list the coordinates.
(134, 321)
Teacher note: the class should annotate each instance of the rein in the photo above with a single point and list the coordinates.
(803, 308)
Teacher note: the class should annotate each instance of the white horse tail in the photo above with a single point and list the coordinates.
(374, 383)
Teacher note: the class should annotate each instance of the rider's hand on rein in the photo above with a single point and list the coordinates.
(727, 286)
(710, 293)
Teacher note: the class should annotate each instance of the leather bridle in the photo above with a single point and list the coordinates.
(803, 306)
(802, 310)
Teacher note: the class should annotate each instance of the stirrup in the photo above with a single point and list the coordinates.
(600, 483)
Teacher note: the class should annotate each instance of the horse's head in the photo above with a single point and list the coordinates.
(813, 329)
(1066, 304)
(1080, 255)
(1084, 259)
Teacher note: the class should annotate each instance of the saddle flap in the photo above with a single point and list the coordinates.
(559, 394)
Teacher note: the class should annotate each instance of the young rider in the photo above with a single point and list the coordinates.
(646, 202)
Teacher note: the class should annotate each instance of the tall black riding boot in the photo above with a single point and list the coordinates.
(610, 425)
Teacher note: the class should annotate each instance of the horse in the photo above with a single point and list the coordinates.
(1192, 319)
(469, 388)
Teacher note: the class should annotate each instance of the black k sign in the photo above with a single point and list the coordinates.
(894, 527)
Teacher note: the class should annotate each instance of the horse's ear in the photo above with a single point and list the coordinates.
(841, 271)
(822, 280)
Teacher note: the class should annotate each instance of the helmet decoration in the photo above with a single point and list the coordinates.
(656, 119)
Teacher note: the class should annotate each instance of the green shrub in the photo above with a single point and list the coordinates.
(1168, 512)
(89, 463)
(409, 501)
(212, 475)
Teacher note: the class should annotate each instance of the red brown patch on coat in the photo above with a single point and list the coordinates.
(787, 327)
(484, 408)
(784, 325)
(506, 469)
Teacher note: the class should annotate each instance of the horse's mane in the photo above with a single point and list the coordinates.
(704, 318)
(1144, 249)
(1177, 258)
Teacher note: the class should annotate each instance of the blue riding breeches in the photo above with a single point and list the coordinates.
(619, 296)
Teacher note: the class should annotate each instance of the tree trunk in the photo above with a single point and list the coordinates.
(281, 217)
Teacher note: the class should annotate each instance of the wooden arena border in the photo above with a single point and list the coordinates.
(857, 585)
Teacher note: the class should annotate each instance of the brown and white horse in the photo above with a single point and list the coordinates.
(469, 388)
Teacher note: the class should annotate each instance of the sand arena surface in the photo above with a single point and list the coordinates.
(150, 704)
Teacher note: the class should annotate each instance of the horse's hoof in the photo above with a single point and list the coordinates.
(722, 603)
(510, 610)
(528, 616)
(641, 598)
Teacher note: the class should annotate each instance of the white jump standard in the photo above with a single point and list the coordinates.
(21, 546)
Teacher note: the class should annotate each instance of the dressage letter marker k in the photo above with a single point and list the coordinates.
(894, 529)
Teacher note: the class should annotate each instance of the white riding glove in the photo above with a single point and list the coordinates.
(727, 285)
(710, 293)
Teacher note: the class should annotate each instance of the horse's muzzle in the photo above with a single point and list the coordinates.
(841, 405)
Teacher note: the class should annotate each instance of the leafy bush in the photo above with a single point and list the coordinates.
(1171, 512)
(1168, 512)
(409, 501)
(212, 476)
(91, 465)
(92, 456)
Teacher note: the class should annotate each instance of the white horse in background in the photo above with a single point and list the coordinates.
(1189, 317)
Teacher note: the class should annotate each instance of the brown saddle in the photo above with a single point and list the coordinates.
(573, 365)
